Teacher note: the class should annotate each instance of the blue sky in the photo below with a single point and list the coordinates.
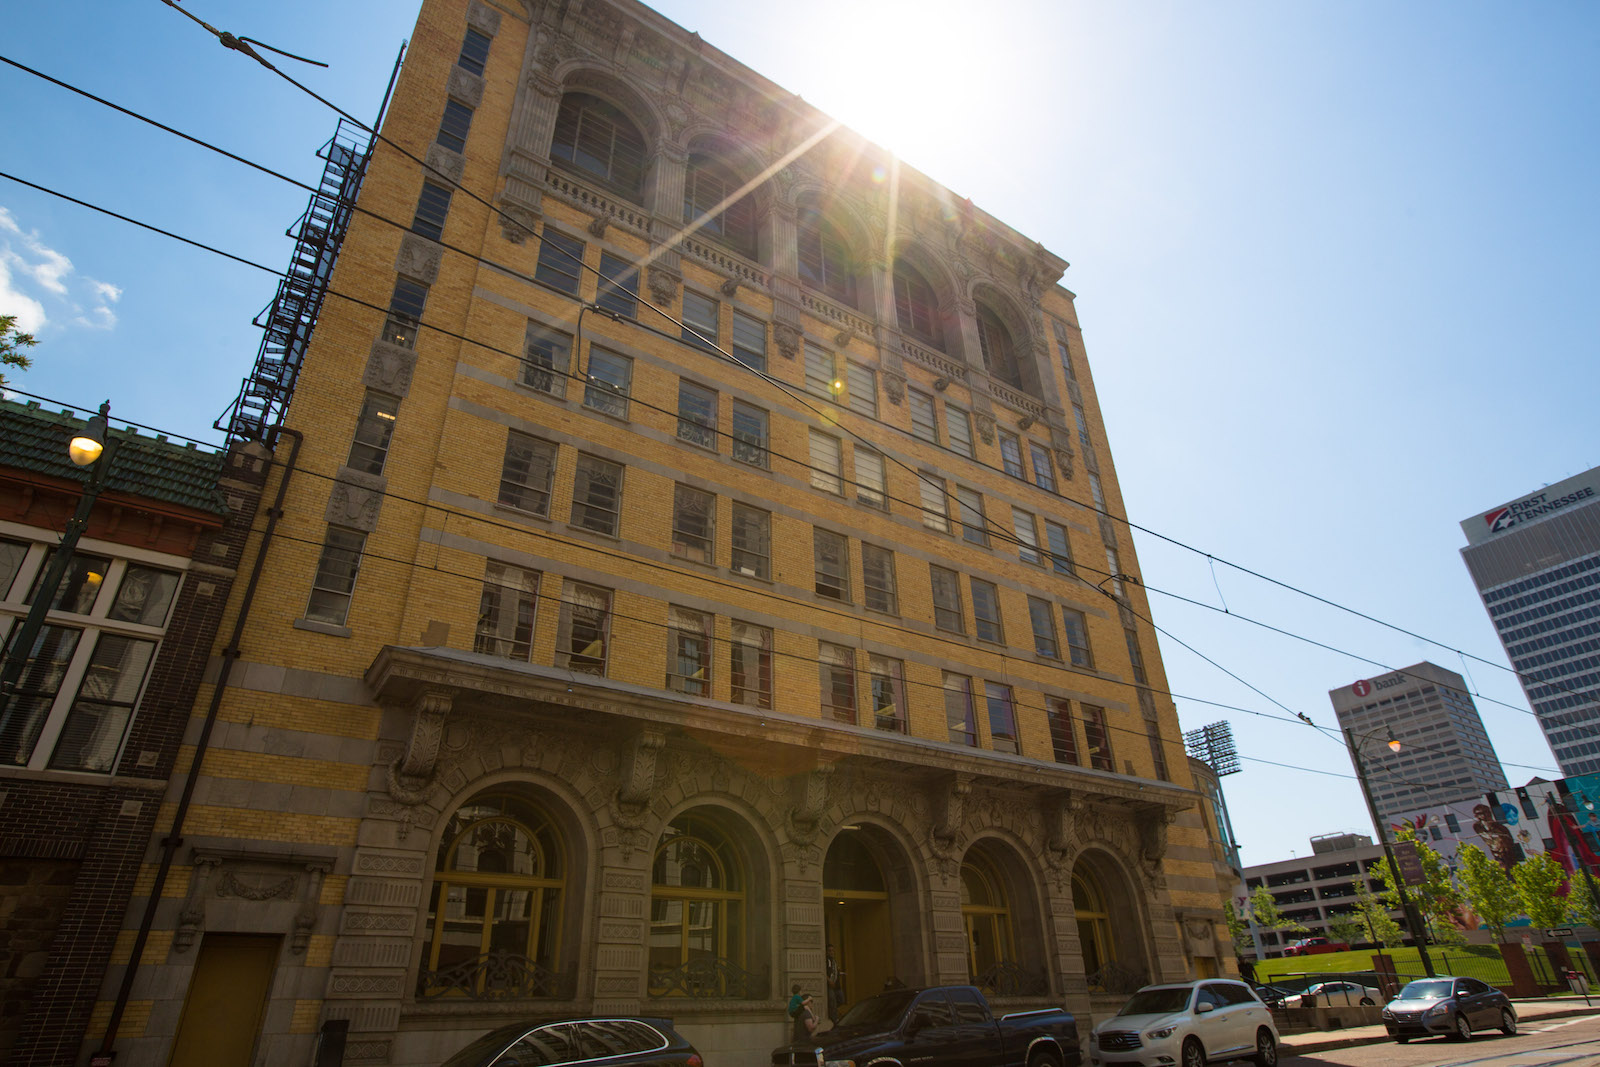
(1334, 263)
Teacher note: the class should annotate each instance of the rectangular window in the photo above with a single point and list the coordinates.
(693, 524)
(526, 473)
(610, 378)
(958, 429)
(962, 723)
(432, 208)
(597, 495)
(697, 414)
(986, 612)
(831, 553)
(585, 628)
(826, 463)
(474, 52)
(752, 541)
(1158, 754)
(1063, 352)
(1060, 547)
(1044, 475)
(750, 666)
(1114, 568)
(923, 425)
(1011, 455)
(335, 580)
(688, 651)
(750, 341)
(405, 312)
(871, 485)
(946, 600)
(974, 526)
(1076, 626)
(1135, 658)
(749, 434)
(863, 383)
(1027, 536)
(546, 355)
(838, 679)
(1097, 738)
(98, 718)
(1082, 420)
(819, 370)
(560, 261)
(506, 612)
(1002, 717)
(934, 516)
(619, 286)
(370, 448)
(1063, 736)
(1044, 629)
(887, 677)
(453, 126)
(877, 579)
(1096, 492)
(12, 553)
(699, 320)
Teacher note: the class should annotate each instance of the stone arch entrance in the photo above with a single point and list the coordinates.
(870, 914)
(1109, 925)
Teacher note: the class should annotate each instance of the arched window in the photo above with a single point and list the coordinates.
(824, 258)
(708, 183)
(999, 354)
(494, 917)
(987, 917)
(697, 912)
(916, 306)
(1094, 923)
(595, 138)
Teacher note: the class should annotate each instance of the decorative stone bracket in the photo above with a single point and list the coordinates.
(410, 773)
(949, 805)
(637, 786)
(810, 800)
(258, 877)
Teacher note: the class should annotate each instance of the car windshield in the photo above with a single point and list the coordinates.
(879, 1010)
(1427, 989)
(1157, 1001)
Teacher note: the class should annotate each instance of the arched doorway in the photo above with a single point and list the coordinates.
(870, 914)
(1110, 929)
(1000, 917)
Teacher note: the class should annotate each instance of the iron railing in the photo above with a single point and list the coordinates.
(1115, 978)
(497, 975)
(1007, 979)
(708, 977)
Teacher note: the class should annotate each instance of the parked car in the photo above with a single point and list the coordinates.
(1275, 996)
(1448, 1005)
(1311, 946)
(608, 1041)
(1325, 993)
(1187, 1023)
(942, 1025)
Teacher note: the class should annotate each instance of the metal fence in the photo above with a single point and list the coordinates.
(1451, 961)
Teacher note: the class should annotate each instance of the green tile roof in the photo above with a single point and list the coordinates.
(33, 439)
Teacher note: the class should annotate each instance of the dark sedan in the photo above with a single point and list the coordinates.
(1446, 1005)
(603, 1042)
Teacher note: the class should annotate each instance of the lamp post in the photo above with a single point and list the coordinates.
(1413, 920)
(92, 447)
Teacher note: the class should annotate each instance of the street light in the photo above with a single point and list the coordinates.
(91, 447)
(1413, 920)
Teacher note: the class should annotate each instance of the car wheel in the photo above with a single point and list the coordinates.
(1368, 1001)
(1266, 1049)
(1194, 1054)
(1044, 1058)
(1463, 1029)
(1508, 1022)
(1401, 1040)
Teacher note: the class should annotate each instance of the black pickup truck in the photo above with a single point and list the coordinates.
(945, 1026)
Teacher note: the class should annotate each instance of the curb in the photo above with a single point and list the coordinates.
(1297, 1048)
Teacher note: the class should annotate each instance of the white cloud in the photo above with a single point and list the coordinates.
(34, 275)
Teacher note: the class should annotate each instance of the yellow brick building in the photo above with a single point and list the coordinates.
(601, 663)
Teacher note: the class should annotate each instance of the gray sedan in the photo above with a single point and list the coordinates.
(1447, 1005)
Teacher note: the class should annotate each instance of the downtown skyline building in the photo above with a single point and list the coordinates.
(1536, 563)
(1445, 754)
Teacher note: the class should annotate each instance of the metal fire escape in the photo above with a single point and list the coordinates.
(291, 317)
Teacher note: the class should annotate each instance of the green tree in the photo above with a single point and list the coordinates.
(1348, 928)
(1436, 899)
(1373, 909)
(1238, 929)
(1539, 879)
(1267, 915)
(1488, 889)
(12, 343)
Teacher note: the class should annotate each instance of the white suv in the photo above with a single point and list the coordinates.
(1187, 1024)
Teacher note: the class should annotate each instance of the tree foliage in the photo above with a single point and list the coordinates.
(1488, 890)
(1348, 928)
(1373, 910)
(12, 344)
(1539, 880)
(1267, 915)
(1238, 929)
(1437, 899)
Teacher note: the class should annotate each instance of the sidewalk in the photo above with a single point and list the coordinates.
(1528, 1012)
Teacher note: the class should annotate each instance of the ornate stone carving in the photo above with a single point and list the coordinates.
(465, 86)
(894, 387)
(355, 500)
(229, 885)
(410, 774)
(941, 384)
(1025, 422)
(844, 337)
(446, 162)
(810, 801)
(636, 788)
(1153, 826)
(1064, 461)
(788, 339)
(597, 227)
(258, 878)
(730, 288)
(517, 223)
(986, 428)
(950, 812)
(483, 18)
(389, 368)
(419, 258)
(663, 282)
